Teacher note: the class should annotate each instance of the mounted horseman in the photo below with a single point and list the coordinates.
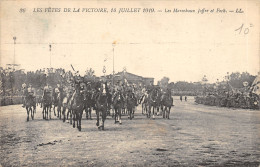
(77, 100)
(131, 103)
(153, 101)
(29, 100)
(101, 99)
(25, 93)
(47, 101)
(167, 103)
(89, 100)
(58, 96)
(118, 102)
(67, 102)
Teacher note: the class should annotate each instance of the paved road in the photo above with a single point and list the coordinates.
(195, 135)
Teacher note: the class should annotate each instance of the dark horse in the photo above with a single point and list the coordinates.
(101, 106)
(30, 106)
(153, 101)
(166, 103)
(118, 103)
(89, 103)
(131, 102)
(46, 104)
(57, 102)
(77, 107)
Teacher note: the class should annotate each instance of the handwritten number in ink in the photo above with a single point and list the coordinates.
(244, 30)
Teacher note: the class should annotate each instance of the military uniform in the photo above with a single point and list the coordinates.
(25, 92)
(31, 93)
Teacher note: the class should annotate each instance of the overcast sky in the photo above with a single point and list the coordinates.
(181, 46)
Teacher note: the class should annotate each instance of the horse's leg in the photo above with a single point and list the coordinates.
(90, 113)
(50, 111)
(43, 113)
(59, 110)
(103, 119)
(153, 112)
(163, 112)
(80, 116)
(58, 113)
(54, 112)
(77, 118)
(142, 109)
(70, 112)
(97, 113)
(113, 111)
(115, 114)
(63, 113)
(31, 112)
(28, 112)
(34, 109)
(133, 112)
(148, 111)
(74, 117)
(169, 111)
(119, 112)
(86, 110)
(130, 114)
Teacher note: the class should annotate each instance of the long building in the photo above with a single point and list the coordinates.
(130, 78)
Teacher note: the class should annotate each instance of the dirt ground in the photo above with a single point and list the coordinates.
(195, 135)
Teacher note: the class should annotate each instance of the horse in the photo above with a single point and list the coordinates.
(57, 102)
(167, 104)
(67, 104)
(109, 103)
(89, 102)
(118, 103)
(131, 102)
(77, 106)
(101, 106)
(46, 103)
(153, 102)
(144, 102)
(30, 106)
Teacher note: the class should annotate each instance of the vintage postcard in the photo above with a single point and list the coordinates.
(130, 83)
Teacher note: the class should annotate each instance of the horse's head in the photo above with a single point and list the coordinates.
(103, 89)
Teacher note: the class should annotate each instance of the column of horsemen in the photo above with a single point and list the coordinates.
(70, 98)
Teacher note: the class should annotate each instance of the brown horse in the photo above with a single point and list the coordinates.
(46, 105)
(101, 106)
(166, 105)
(153, 102)
(131, 102)
(77, 107)
(118, 103)
(30, 106)
(57, 102)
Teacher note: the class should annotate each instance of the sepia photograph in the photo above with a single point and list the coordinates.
(130, 83)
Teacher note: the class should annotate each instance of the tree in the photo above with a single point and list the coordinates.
(89, 75)
(236, 79)
(164, 82)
